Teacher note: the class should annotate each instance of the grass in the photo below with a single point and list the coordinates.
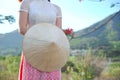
(87, 67)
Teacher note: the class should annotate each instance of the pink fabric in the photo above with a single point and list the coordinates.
(27, 72)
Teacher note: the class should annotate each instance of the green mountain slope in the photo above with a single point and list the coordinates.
(10, 43)
(99, 34)
(105, 33)
(12, 39)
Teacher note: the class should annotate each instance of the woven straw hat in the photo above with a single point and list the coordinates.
(46, 47)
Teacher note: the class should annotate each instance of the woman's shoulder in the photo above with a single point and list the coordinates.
(56, 6)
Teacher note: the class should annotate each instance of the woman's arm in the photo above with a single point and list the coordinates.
(23, 22)
(59, 22)
(59, 16)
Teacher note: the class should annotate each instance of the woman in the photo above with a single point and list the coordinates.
(33, 12)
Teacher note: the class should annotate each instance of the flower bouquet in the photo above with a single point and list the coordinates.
(69, 33)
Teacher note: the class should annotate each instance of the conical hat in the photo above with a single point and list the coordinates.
(46, 47)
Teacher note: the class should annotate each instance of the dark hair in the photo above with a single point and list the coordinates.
(49, 0)
(20, 0)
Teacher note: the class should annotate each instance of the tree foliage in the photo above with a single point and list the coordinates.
(9, 18)
(112, 5)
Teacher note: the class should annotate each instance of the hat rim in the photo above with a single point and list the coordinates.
(39, 66)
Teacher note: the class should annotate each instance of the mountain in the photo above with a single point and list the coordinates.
(105, 33)
(12, 39)
(10, 42)
(102, 33)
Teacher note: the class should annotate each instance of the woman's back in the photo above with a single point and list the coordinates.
(41, 11)
(33, 12)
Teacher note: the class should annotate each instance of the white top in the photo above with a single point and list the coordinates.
(40, 11)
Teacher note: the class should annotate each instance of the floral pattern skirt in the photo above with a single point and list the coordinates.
(27, 72)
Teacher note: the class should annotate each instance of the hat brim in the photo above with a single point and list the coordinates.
(46, 47)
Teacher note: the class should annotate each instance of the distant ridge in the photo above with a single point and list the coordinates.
(102, 33)
(99, 34)
(12, 39)
(114, 17)
(10, 43)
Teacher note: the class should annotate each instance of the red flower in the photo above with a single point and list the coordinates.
(68, 31)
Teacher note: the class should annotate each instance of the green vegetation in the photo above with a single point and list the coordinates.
(81, 67)
(84, 67)
(101, 62)
(9, 67)
(9, 18)
(112, 72)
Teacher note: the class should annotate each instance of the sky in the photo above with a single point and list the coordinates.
(76, 15)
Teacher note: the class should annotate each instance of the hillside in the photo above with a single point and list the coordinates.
(105, 33)
(12, 39)
(10, 42)
(99, 34)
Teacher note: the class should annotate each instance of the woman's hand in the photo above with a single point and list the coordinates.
(69, 32)
(23, 22)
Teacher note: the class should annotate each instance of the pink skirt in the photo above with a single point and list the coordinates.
(27, 72)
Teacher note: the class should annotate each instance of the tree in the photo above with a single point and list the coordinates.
(9, 18)
(112, 5)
